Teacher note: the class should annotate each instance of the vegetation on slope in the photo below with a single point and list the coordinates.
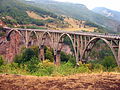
(77, 11)
(27, 63)
(14, 12)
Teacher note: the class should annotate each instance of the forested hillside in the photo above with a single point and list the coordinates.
(18, 13)
(14, 12)
(78, 11)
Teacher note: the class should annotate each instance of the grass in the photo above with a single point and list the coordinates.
(47, 68)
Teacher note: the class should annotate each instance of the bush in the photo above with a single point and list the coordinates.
(32, 65)
(27, 55)
(1, 61)
(109, 62)
(49, 55)
(13, 69)
(46, 68)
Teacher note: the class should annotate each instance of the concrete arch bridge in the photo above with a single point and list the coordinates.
(82, 42)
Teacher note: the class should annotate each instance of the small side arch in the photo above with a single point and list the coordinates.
(43, 36)
(9, 33)
(34, 33)
(32, 38)
(96, 39)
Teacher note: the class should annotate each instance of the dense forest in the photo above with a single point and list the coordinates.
(14, 12)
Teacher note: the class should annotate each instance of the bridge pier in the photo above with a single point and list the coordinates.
(118, 62)
(41, 56)
(57, 58)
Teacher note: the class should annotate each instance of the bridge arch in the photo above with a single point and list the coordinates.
(43, 36)
(10, 32)
(33, 35)
(62, 36)
(33, 32)
(58, 50)
(93, 41)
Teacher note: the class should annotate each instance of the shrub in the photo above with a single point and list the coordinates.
(64, 57)
(18, 59)
(98, 68)
(109, 62)
(1, 61)
(49, 55)
(36, 50)
(32, 65)
(27, 55)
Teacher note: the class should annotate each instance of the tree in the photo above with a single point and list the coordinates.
(1, 61)
(109, 62)
(26, 56)
(49, 55)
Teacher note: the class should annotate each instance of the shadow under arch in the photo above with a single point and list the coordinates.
(96, 39)
(10, 32)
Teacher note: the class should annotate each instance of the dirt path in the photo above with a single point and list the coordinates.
(105, 81)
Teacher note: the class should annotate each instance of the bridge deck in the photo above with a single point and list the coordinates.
(90, 34)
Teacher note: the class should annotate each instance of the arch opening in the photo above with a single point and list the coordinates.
(65, 49)
(98, 48)
(46, 47)
(12, 31)
(33, 39)
(15, 42)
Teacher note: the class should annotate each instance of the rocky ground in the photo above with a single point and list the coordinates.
(103, 81)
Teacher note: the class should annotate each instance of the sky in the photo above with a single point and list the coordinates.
(110, 4)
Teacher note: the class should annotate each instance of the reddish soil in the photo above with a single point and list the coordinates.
(105, 81)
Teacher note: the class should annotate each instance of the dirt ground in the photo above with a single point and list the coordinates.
(103, 81)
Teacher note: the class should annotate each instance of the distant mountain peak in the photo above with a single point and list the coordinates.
(108, 13)
(112, 14)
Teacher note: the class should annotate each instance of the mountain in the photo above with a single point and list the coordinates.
(78, 11)
(17, 13)
(112, 14)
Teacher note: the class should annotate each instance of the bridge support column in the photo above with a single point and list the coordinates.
(57, 58)
(42, 57)
(26, 37)
(118, 61)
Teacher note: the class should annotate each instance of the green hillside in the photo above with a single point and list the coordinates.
(77, 11)
(14, 12)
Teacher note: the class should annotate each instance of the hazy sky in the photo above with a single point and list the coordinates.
(111, 4)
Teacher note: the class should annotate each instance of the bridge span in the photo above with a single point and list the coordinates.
(82, 42)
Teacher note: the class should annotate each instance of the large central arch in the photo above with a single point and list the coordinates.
(62, 36)
(93, 41)
(59, 50)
